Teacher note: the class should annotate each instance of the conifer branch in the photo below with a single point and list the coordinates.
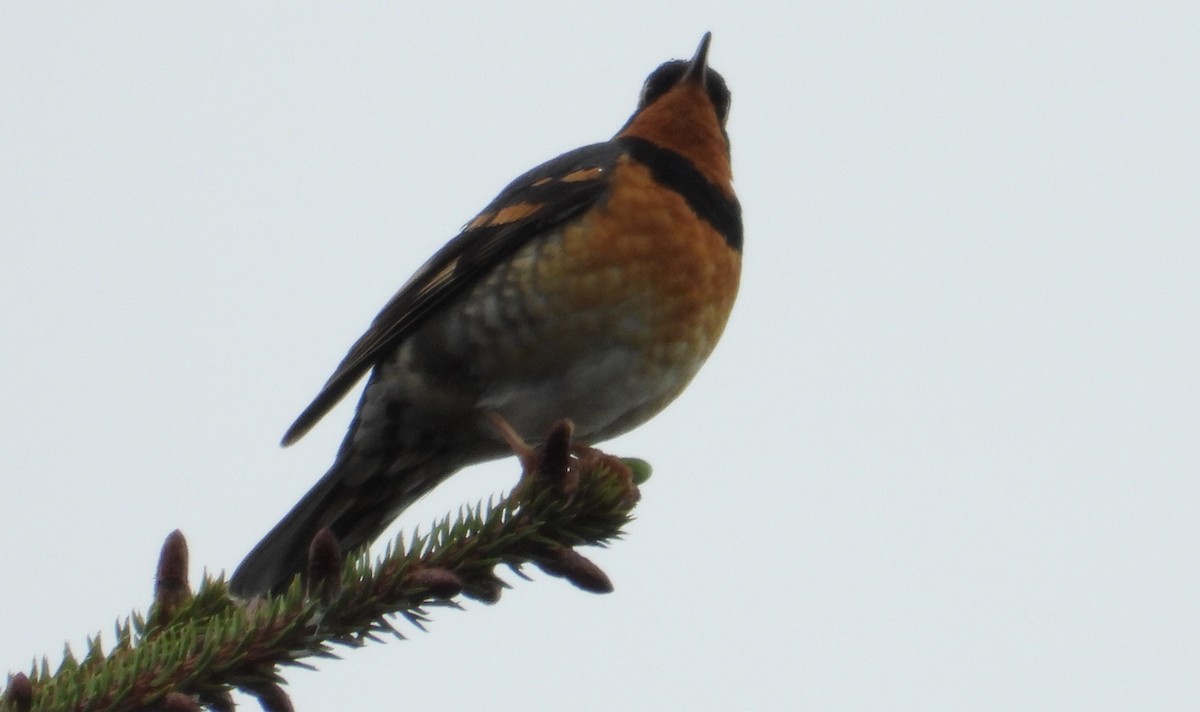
(192, 649)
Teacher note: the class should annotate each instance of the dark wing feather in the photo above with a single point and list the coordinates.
(531, 205)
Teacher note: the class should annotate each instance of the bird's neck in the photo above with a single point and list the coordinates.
(684, 121)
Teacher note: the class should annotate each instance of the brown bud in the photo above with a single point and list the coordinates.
(574, 567)
(19, 693)
(324, 578)
(441, 583)
(271, 698)
(171, 588)
(218, 700)
(485, 589)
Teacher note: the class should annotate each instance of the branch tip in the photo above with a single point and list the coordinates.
(193, 649)
(627, 473)
(639, 468)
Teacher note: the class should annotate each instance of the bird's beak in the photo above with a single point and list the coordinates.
(697, 68)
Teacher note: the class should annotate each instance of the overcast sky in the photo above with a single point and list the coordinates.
(944, 459)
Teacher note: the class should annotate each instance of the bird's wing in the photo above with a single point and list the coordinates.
(531, 205)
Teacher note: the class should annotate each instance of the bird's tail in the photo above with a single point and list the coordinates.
(357, 513)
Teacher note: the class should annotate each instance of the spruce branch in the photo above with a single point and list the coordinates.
(193, 648)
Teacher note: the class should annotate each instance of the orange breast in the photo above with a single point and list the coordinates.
(644, 252)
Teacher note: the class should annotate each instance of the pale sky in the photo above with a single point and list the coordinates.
(944, 459)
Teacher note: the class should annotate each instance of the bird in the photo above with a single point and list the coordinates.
(592, 288)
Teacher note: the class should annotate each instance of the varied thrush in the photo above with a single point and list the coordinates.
(592, 288)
